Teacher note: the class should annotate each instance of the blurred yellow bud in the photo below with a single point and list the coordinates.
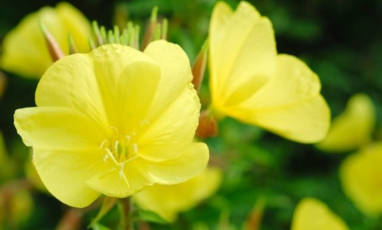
(312, 214)
(168, 200)
(21, 206)
(353, 128)
(251, 82)
(361, 177)
(24, 48)
(16, 205)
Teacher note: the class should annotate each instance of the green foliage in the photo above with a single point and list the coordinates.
(146, 215)
(338, 39)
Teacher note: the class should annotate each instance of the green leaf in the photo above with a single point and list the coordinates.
(107, 204)
(150, 216)
(98, 226)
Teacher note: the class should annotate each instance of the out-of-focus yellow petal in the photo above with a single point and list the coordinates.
(64, 173)
(24, 48)
(168, 135)
(176, 73)
(242, 52)
(50, 128)
(169, 200)
(289, 104)
(361, 177)
(76, 24)
(250, 82)
(352, 128)
(312, 214)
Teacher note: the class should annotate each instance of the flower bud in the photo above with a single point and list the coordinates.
(208, 126)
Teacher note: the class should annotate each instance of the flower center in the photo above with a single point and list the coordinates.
(120, 149)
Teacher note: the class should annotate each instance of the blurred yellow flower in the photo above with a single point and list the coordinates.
(252, 83)
(361, 177)
(353, 128)
(114, 121)
(24, 48)
(312, 214)
(168, 200)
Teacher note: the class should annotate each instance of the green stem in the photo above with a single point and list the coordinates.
(127, 211)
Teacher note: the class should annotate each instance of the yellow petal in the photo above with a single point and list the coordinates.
(111, 64)
(71, 83)
(289, 104)
(176, 73)
(64, 173)
(168, 135)
(242, 52)
(76, 23)
(188, 164)
(168, 200)
(312, 214)
(361, 175)
(95, 83)
(57, 128)
(65, 150)
(24, 48)
(112, 183)
(352, 128)
(136, 89)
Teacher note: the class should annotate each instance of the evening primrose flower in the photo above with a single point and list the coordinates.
(312, 214)
(114, 121)
(168, 200)
(24, 48)
(249, 81)
(361, 177)
(353, 128)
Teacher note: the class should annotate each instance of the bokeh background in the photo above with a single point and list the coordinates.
(341, 40)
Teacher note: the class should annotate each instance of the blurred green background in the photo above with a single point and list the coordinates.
(340, 40)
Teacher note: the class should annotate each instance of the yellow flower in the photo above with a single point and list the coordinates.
(114, 121)
(168, 200)
(24, 48)
(312, 214)
(353, 128)
(252, 83)
(361, 177)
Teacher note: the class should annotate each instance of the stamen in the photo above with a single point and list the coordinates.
(112, 156)
(105, 157)
(122, 174)
(135, 147)
(121, 149)
(102, 145)
(116, 143)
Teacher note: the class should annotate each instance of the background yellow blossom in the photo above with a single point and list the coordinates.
(169, 200)
(24, 48)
